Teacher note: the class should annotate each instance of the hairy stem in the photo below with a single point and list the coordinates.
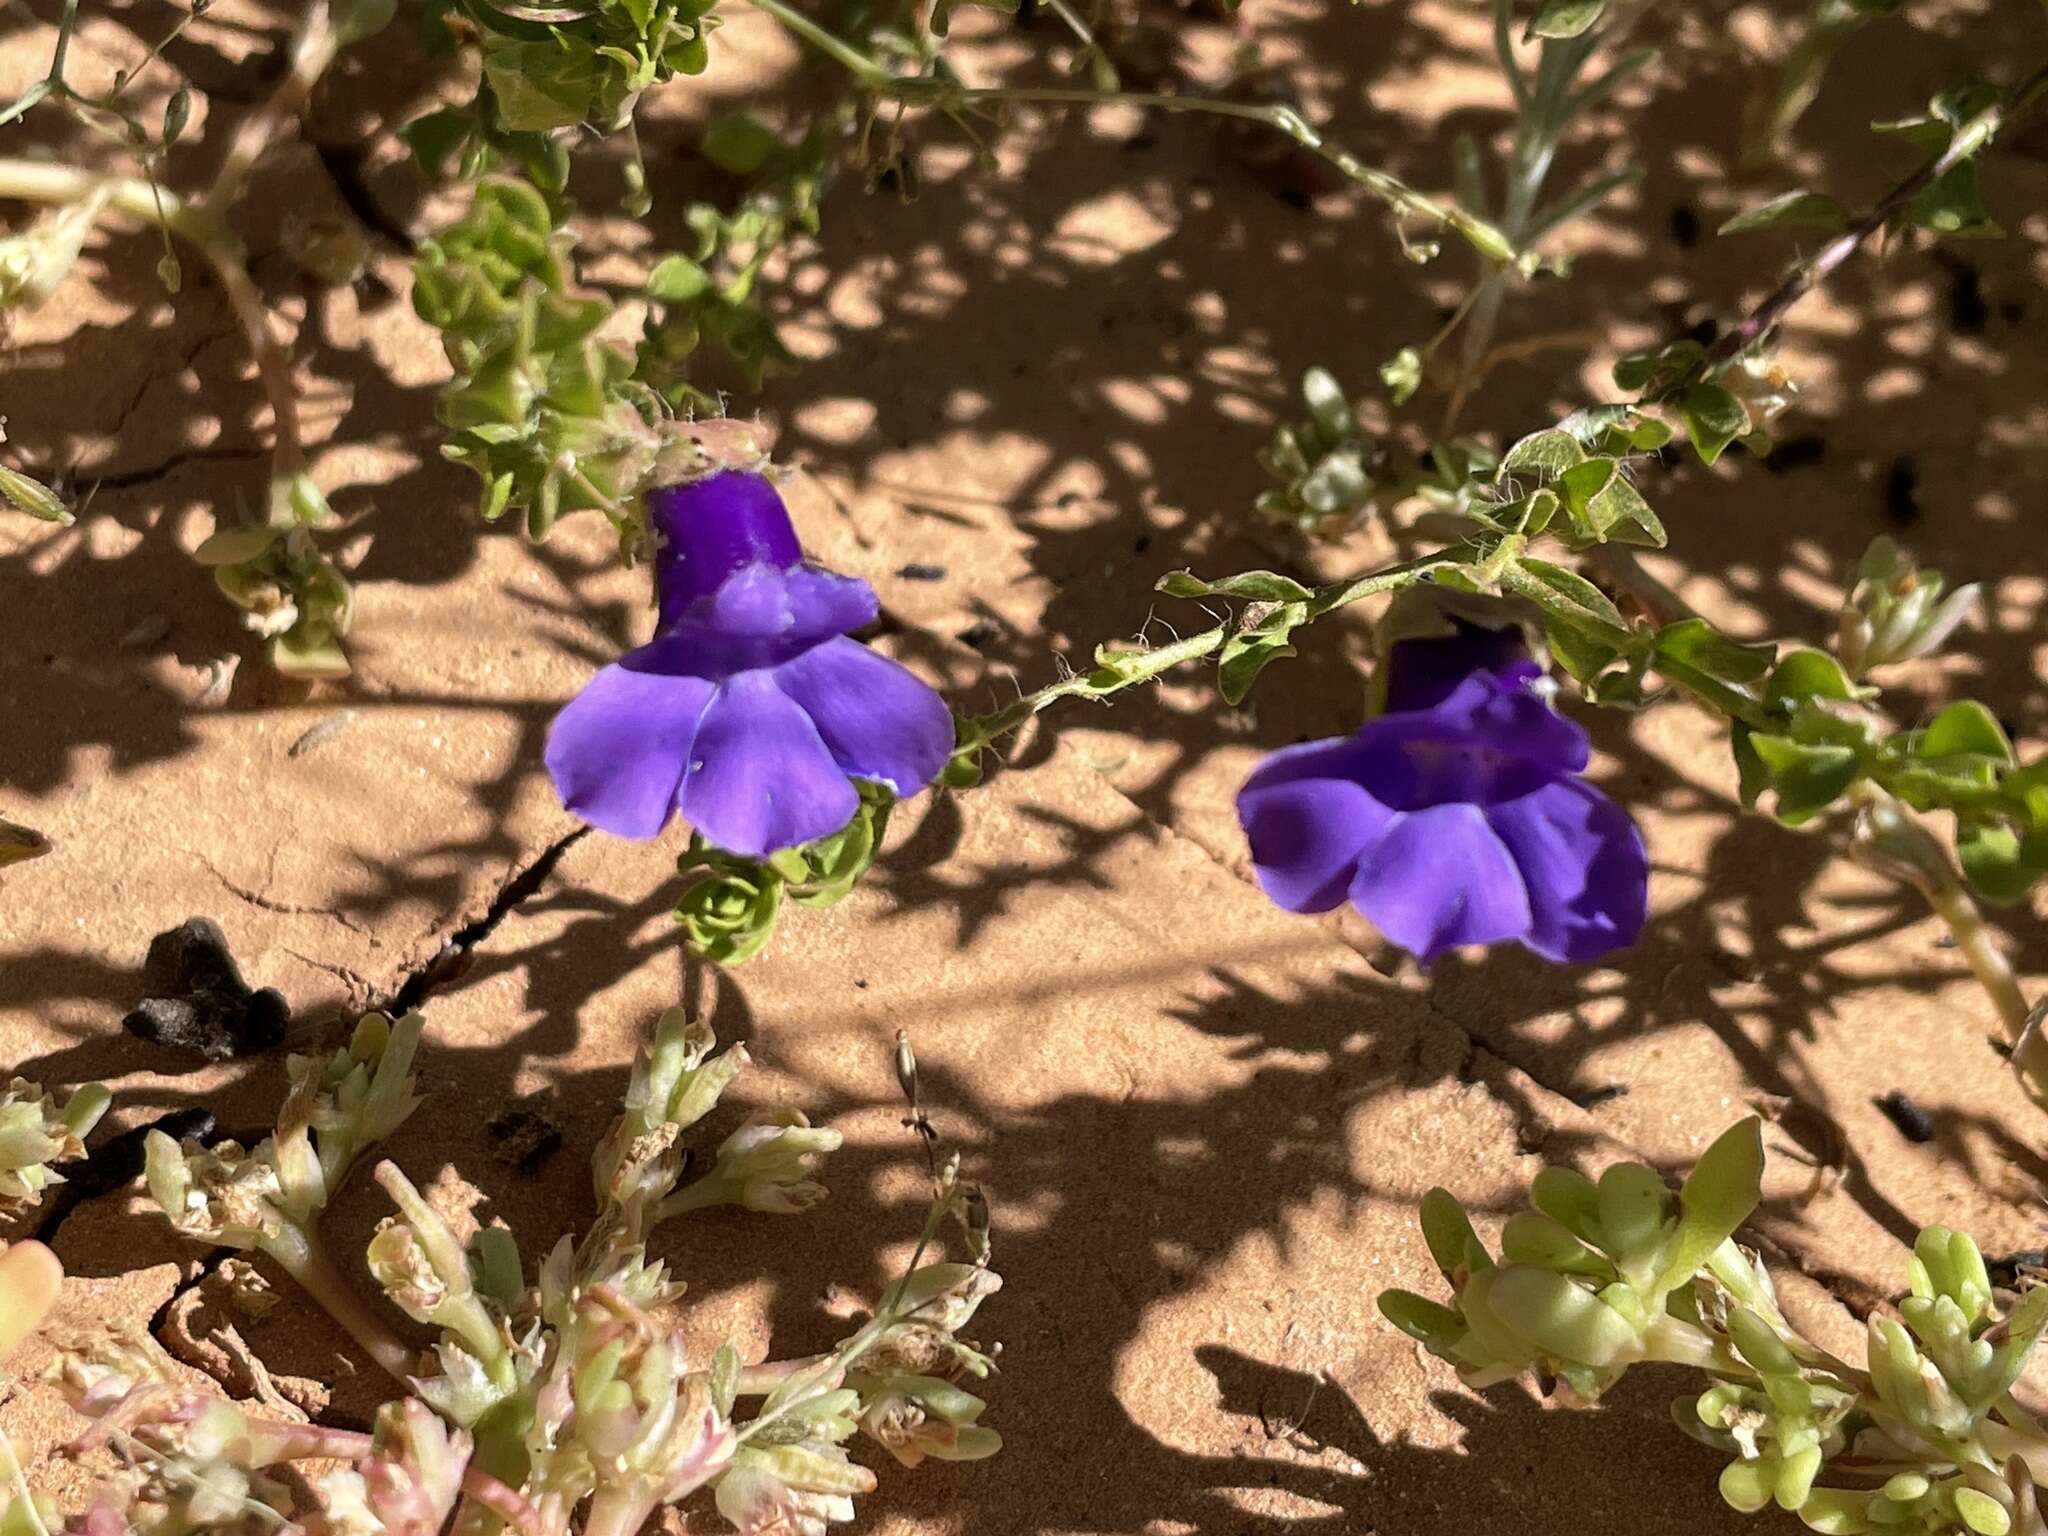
(1971, 137)
(946, 95)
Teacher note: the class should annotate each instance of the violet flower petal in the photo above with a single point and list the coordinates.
(1440, 878)
(879, 719)
(760, 777)
(706, 529)
(760, 617)
(1584, 866)
(1423, 671)
(1502, 711)
(1309, 821)
(617, 750)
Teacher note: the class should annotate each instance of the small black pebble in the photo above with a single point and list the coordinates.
(1796, 453)
(197, 1001)
(978, 635)
(1142, 543)
(1294, 197)
(861, 982)
(1902, 491)
(1685, 227)
(922, 573)
(1913, 1122)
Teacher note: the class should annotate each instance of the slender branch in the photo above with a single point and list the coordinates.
(313, 49)
(53, 82)
(947, 95)
(1971, 137)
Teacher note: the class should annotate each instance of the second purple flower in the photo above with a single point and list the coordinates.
(1456, 817)
(752, 709)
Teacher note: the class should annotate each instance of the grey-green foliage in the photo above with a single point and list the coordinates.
(1605, 1274)
(1326, 463)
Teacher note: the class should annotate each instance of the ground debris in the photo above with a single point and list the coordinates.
(197, 1001)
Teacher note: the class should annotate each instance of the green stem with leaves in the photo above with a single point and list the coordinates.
(949, 95)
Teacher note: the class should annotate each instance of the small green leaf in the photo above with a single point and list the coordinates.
(1807, 674)
(1571, 1199)
(1713, 419)
(1243, 658)
(1580, 591)
(1994, 861)
(232, 546)
(1718, 1196)
(1807, 779)
(1564, 18)
(1448, 1231)
(1634, 1206)
(1965, 727)
(677, 280)
(1561, 1318)
(1427, 1322)
(1797, 210)
(1529, 1238)
(1258, 586)
(740, 142)
(1544, 455)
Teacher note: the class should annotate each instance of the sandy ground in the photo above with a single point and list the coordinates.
(1204, 1124)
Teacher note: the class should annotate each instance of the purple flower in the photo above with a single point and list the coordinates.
(1457, 817)
(750, 712)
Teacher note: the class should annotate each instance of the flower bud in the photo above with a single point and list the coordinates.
(1895, 612)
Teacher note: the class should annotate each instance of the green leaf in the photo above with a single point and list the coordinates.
(739, 142)
(1564, 18)
(1448, 1231)
(1545, 455)
(1655, 371)
(1559, 1317)
(1427, 1322)
(1807, 779)
(1571, 1199)
(1794, 210)
(1713, 419)
(1580, 591)
(1718, 1196)
(1994, 861)
(1258, 586)
(232, 546)
(677, 280)
(1807, 674)
(1529, 1238)
(1634, 1205)
(1953, 205)
(1703, 649)
(1965, 727)
(1244, 657)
